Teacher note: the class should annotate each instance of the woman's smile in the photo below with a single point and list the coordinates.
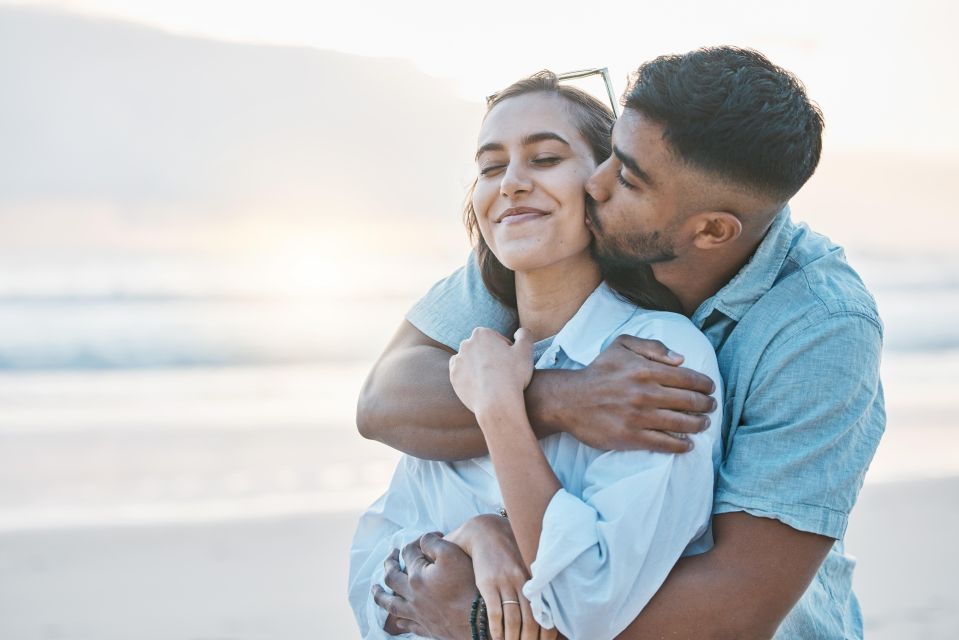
(517, 215)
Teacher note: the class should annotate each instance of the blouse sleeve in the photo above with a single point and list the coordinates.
(602, 556)
(377, 534)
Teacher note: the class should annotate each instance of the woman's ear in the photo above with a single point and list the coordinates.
(714, 229)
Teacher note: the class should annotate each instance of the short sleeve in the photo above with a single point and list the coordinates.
(811, 422)
(459, 303)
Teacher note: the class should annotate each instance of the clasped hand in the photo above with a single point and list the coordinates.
(489, 370)
(432, 597)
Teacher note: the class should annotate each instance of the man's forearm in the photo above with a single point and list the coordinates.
(408, 402)
(418, 414)
(740, 590)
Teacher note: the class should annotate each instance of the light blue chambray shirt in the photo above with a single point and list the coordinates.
(614, 530)
(798, 340)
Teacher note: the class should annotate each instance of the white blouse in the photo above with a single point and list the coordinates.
(613, 532)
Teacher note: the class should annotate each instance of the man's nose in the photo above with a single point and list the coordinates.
(515, 181)
(596, 184)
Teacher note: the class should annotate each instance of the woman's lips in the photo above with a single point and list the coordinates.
(517, 215)
(517, 218)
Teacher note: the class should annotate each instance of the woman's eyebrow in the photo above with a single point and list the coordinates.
(532, 138)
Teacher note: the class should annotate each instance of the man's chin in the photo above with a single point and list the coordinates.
(608, 259)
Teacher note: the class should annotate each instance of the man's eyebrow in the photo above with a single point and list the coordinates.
(532, 138)
(631, 164)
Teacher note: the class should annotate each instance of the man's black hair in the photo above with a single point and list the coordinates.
(733, 113)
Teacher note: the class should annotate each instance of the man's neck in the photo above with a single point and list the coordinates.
(700, 274)
(548, 298)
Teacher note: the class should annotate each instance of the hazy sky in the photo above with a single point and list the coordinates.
(882, 71)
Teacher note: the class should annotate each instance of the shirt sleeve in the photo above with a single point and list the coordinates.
(459, 303)
(811, 423)
(377, 534)
(603, 556)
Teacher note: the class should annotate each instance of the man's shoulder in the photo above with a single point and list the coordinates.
(816, 282)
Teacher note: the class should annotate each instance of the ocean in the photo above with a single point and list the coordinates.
(132, 399)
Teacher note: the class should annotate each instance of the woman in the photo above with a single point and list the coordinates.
(597, 531)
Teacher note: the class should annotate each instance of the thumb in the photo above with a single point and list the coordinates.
(433, 545)
(523, 339)
(651, 349)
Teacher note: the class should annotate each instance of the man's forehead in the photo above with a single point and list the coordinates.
(638, 143)
(634, 131)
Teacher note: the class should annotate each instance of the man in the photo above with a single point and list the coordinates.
(711, 146)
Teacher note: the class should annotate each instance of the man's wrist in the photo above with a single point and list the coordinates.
(544, 401)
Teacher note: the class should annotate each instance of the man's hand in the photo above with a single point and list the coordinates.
(634, 395)
(434, 597)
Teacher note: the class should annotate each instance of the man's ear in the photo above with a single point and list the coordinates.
(714, 229)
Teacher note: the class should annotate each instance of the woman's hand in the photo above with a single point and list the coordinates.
(500, 576)
(489, 370)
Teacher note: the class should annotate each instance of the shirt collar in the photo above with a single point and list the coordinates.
(585, 335)
(756, 277)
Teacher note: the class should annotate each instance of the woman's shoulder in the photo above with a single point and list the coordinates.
(674, 330)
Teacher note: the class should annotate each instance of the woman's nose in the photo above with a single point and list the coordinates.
(515, 181)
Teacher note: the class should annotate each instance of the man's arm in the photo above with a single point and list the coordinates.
(628, 398)
(408, 402)
(740, 589)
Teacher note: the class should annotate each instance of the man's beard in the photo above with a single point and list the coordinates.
(627, 251)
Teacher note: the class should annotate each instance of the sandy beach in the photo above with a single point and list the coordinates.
(225, 511)
(284, 577)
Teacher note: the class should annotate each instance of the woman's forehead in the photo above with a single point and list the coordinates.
(517, 117)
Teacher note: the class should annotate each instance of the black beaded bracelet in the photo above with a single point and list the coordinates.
(474, 611)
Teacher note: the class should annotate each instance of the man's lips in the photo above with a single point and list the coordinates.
(518, 214)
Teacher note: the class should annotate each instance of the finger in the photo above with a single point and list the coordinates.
(404, 625)
(670, 420)
(677, 377)
(652, 349)
(434, 546)
(393, 604)
(494, 613)
(395, 578)
(530, 630)
(548, 634)
(679, 399)
(480, 332)
(523, 337)
(414, 558)
(512, 618)
(678, 422)
(660, 442)
(490, 595)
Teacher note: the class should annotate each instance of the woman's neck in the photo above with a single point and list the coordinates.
(547, 298)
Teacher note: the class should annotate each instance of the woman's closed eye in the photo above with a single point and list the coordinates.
(547, 161)
(491, 169)
(539, 161)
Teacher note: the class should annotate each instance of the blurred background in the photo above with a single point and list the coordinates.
(213, 216)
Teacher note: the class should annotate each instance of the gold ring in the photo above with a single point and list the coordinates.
(509, 602)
